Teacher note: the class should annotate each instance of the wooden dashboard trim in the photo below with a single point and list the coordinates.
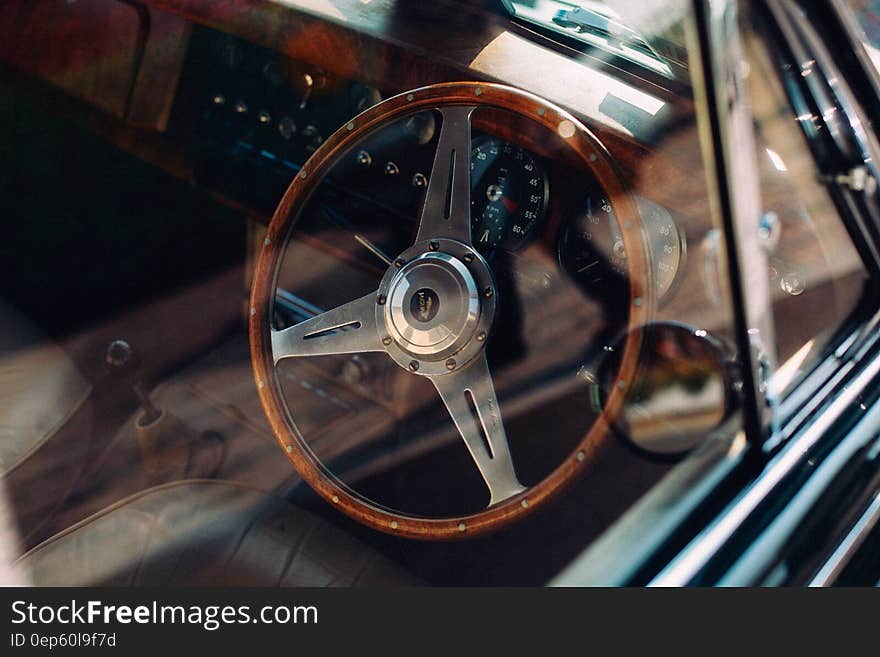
(383, 43)
(90, 49)
(374, 44)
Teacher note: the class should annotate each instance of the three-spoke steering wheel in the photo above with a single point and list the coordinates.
(434, 308)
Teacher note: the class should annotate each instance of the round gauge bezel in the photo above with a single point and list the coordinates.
(567, 225)
(539, 223)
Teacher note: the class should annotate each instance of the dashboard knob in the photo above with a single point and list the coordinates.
(286, 128)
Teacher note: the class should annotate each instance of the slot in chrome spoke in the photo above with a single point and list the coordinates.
(447, 208)
(469, 395)
(348, 329)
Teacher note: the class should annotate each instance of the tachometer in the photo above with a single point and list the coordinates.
(592, 244)
(508, 194)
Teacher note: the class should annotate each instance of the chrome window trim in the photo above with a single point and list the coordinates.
(762, 552)
(689, 562)
(849, 546)
(851, 28)
(840, 110)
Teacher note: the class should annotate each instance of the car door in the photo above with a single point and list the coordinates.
(792, 499)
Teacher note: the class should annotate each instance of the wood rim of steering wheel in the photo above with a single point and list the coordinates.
(595, 158)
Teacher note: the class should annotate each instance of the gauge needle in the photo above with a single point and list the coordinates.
(510, 205)
(372, 248)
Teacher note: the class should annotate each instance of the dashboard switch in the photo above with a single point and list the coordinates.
(286, 128)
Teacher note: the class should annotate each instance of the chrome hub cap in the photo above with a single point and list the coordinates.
(438, 298)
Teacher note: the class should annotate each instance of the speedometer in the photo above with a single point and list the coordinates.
(508, 194)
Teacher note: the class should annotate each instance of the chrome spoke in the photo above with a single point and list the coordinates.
(469, 395)
(447, 208)
(348, 329)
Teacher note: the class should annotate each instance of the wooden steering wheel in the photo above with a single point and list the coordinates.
(435, 307)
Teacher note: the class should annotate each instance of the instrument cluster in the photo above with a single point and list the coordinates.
(261, 116)
(510, 199)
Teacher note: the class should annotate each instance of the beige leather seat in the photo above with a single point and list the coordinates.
(207, 532)
(45, 421)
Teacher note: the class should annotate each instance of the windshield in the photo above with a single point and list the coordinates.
(643, 35)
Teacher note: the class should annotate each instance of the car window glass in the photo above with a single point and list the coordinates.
(867, 15)
(816, 275)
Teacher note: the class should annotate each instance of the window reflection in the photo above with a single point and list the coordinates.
(815, 273)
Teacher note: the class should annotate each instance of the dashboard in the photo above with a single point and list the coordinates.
(546, 226)
(259, 116)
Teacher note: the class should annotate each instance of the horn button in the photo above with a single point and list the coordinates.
(437, 303)
(433, 303)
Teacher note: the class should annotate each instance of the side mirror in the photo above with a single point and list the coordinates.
(683, 388)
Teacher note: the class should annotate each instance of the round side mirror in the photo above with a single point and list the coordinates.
(683, 388)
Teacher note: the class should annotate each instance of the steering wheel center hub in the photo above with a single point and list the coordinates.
(438, 298)
(433, 304)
